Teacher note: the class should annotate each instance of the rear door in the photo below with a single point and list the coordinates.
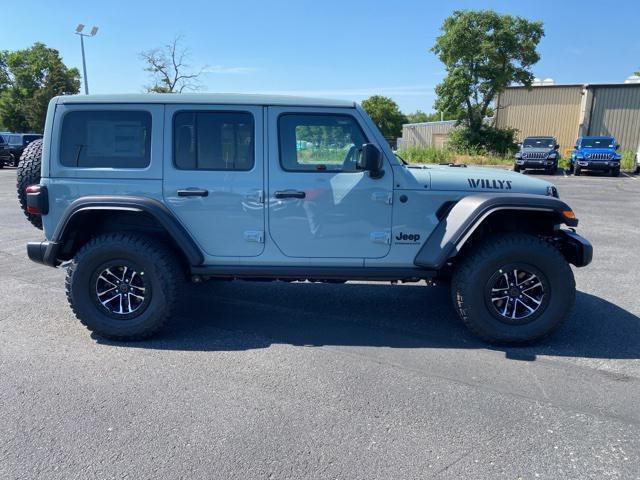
(214, 178)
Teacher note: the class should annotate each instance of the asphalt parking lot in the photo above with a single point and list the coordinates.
(270, 380)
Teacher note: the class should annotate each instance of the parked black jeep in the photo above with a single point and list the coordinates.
(13, 146)
(540, 153)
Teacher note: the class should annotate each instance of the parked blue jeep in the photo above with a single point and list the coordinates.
(595, 153)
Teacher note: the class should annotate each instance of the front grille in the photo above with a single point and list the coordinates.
(534, 155)
(598, 156)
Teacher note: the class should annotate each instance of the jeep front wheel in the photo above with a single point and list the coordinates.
(513, 288)
(123, 286)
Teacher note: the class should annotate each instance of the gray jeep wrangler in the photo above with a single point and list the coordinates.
(538, 153)
(138, 193)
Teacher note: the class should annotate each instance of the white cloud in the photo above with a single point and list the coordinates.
(221, 69)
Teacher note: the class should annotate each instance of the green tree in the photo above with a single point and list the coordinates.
(483, 53)
(28, 80)
(419, 116)
(386, 114)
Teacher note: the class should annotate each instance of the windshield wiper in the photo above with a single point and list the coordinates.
(404, 162)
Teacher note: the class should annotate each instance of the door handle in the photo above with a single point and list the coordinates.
(289, 194)
(193, 192)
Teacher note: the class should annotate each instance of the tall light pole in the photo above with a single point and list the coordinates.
(93, 32)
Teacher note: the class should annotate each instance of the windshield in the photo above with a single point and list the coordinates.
(539, 143)
(597, 143)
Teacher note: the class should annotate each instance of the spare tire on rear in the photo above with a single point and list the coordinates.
(29, 174)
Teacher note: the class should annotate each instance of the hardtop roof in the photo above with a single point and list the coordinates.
(207, 98)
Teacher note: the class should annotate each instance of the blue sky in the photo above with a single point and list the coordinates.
(339, 49)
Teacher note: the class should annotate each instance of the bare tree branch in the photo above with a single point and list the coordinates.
(169, 68)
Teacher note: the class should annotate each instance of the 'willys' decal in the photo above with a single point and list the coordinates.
(489, 184)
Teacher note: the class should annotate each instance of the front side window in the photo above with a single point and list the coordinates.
(213, 141)
(319, 143)
(106, 139)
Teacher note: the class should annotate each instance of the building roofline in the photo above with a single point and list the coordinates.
(578, 85)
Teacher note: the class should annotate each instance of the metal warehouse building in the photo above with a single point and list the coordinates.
(425, 133)
(569, 111)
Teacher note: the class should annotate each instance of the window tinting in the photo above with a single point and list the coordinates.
(213, 141)
(319, 143)
(106, 139)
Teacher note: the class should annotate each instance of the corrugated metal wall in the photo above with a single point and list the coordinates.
(553, 110)
(423, 133)
(616, 111)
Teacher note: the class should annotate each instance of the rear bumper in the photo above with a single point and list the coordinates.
(576, 249)
(45, 253)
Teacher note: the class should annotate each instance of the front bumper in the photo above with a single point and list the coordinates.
(526, 163)
(598, 164)
(575, 248)
(45, 253)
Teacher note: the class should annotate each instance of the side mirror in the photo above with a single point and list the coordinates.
(617, 146)
(371, 160)
(575, 147)
(557, 146)
(520, 145)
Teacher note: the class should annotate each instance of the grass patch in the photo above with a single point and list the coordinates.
(431, 154)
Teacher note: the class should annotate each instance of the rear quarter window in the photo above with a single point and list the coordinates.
(106, 139)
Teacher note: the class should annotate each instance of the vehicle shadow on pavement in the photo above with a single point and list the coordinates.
(222, 316)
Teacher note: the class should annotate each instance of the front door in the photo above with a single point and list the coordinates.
(213, 176)
(320, 204)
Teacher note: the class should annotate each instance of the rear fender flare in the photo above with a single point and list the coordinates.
(146, 205)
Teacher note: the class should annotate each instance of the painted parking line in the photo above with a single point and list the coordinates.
(627, 175)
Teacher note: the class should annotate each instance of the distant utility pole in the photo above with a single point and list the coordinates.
(93, 32)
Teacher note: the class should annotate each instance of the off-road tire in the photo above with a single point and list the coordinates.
(471, 278)
(615, 172)
(570, 169)
(160, 268)
(29, 174)
(577, 171)
(551, 170)
(516, 169)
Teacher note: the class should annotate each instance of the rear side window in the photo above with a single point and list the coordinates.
(106, 139)
(213, 141)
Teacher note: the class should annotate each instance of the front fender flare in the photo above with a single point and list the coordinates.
(466, 215)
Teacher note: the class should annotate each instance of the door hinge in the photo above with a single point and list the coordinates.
(384, 197)
(381, 237)
(255, 196)
(256, 236)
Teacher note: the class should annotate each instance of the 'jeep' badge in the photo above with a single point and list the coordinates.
(489, 184)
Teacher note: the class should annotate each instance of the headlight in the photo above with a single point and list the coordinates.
(518, 156)
(579, 157)
(552, 156)
(552, 191)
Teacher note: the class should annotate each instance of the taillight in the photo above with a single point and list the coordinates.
(37, 201)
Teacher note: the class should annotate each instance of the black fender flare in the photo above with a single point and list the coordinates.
(150, 206)
(446, 240)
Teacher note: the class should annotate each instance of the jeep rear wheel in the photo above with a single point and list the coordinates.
(29, 174)
(123, 286)
(513, 288)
